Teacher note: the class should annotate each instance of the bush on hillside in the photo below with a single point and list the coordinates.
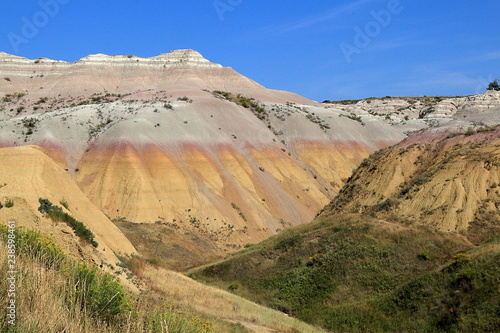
(36, 245)
(494, 85)
(99, 295)
(56, 214)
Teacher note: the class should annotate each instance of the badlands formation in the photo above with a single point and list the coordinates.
(180, 142)
(443, 179)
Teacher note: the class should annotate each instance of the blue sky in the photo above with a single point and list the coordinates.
(318, 49)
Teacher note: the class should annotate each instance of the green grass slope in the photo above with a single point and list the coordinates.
(357, 274)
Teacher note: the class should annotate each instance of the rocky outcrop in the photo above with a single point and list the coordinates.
(177, 70)
(413, 113)
(177, 58)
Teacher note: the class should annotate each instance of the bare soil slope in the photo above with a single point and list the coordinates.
(445, 180)
(27, 174)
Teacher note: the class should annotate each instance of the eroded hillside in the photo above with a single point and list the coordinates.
(415, 113)
(185, 143)
(444, 180)
(28, 174)
(409, 244)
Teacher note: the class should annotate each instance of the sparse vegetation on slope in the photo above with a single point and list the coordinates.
(428, 100)
(445, 184)
(221, 304)
(460, 296)
(162, 245)
(56, 214)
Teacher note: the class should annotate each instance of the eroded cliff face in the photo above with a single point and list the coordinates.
(415, 113)
(159, 140)
(445, 178)
(213, 166)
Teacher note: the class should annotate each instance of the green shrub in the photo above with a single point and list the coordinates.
(421, 180)
(9, 203)
(46, 206)
(494, 85)
(36, 245)
(233, 286)
(405, 190)
(470, 131)
(460, 259)
(424, 255)
(386, 205)
(288, 242)
(185, 99)
(248, 103)
(356, 118)
(295, 290)
(41, 100)
(64, 203)
(56, 214)
(98, 294)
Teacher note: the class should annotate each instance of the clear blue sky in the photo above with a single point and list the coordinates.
(319, 49)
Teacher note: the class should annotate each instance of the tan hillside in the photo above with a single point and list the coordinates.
(65, 82)
(27, 174)
(446, 180)
(179, 140)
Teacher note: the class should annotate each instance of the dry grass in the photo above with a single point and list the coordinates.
(47, 300)
(221, 304)
(40, 307)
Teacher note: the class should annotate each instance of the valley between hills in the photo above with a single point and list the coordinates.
(173, 194)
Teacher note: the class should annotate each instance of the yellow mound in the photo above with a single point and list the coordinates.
(27, 174)
(450, 184)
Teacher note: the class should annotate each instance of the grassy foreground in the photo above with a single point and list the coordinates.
(58, 294)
